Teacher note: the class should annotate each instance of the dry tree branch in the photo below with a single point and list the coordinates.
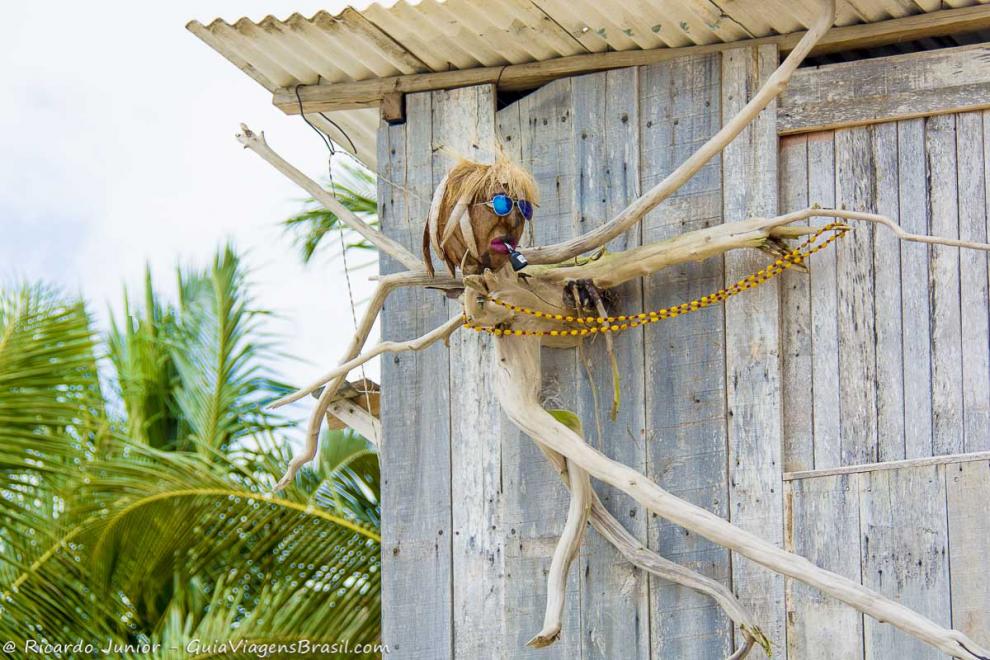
(430, 338)
(549, 254)
(385, 286)
(338, 375)
(567, 548)
(643, 558)
(256, 142)
(613, 269)
(813, 212)
(518, 378)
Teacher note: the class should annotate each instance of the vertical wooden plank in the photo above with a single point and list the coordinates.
(824, 309)
(535, 500)
(887, 299)
(915, 314)
(614, 595)
(823, 526)
(970, 154)
(415, 455)
(797, 397)
(855, 189)
(752, 343)
(464, 124)
(905, 553)
(968, 486)
(947, 394)
(680, 105)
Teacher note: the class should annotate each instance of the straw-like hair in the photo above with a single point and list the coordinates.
(448, 228)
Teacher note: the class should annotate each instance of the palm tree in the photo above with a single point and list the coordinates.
(355, 188)
(137, 506)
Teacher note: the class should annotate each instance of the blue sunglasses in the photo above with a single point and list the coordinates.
(501, 205)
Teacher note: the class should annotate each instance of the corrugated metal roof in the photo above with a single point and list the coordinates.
(433, 35)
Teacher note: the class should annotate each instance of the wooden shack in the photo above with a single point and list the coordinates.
(843, 414)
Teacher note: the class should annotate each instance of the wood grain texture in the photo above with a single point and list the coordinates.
(614, 595)
(857, 362)
(464, 123)
(855, 189)
(824, 309)
(968, 491)
(915, 300)
(905, 552)
(885, 89)
(752, 345)
(823, 525)
(887, 299)
(796, 377)
(974, 301)
(535, 499)
(943, 272)
(908, 526)
(415, 456)
(680, 107)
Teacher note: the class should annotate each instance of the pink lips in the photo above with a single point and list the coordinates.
(498, 245)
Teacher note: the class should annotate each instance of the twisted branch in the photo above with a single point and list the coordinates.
(775, 84)
(567, 548)
(385, 286)
(518, 376)
(256, 142)
(433, 336)
(645, 559)
(613, 269)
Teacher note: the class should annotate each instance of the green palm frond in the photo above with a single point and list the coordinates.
(150, 516)
(348, 472)
(159, 524)
(139, 348)
(357, 192)
(52, 595)
(48, 376)
(344, 478)
(185, 511)
(194, 374)
(51, 407)
(51, 423)
(219, 354)
(277, 624)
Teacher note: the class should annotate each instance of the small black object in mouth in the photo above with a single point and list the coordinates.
(503, 245)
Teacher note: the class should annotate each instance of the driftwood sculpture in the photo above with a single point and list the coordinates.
(558, 300)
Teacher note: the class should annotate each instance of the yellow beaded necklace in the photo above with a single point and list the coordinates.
(604, 324)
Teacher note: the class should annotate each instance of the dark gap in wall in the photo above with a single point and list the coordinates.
(916, 46)
(504, 97)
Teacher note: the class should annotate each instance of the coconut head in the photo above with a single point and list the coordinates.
(462, 230)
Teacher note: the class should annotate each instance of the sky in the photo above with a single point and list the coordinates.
(117, 150)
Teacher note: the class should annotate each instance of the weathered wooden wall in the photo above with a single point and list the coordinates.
(885, 351)
(898, 332)
(769, 410)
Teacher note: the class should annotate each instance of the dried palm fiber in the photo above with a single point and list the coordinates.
(453, 224)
